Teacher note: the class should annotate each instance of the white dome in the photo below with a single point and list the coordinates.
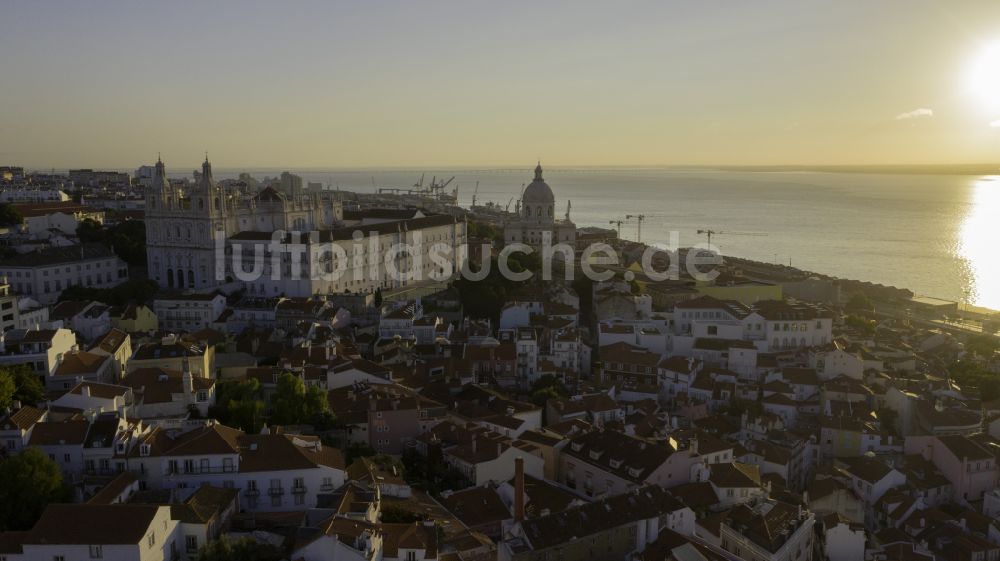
(538, 191)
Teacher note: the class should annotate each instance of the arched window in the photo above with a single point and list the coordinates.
(152, 203)
(180, 278)
(177, 231)
(201, 204)
(527, 211)
(190, 277)
(170, 278)
(550, 212)
(216, 203)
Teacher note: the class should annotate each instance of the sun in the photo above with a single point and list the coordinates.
(984, 76)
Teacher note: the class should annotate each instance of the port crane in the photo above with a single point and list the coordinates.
(474, 194)
(638, 225)
(619, 224)
(709, 233)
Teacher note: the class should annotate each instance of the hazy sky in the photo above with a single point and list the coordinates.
(368, 83)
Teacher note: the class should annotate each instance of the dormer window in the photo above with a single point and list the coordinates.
(615, 464)
(634, 472)
(144, 450)
(577, 446)
(595, 454)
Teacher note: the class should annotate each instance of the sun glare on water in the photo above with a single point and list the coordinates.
(980, 238)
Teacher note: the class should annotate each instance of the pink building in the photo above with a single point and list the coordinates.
(969, 466)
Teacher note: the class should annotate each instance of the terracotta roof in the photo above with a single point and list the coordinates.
(23, 418)
(60, 255)
(965, 448)
(113, 489)
(627, 457)
(77, 363)
(111, 341)
(579, 522)
(765, 524)
(72, 432)
(734, 474)
(100, 390)
(158, 385)
(476, 506)
(867, 469)
(272, 452)
(409, 536)
(82, 524)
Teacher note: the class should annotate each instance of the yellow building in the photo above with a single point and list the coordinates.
(171, 353)
(134, 318)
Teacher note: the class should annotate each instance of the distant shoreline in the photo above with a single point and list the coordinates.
(901, 169)
(878, 169)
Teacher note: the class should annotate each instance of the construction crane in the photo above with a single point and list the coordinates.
(507, 208)
(619, 224)
(638, 225)
(710, 233)
(476, 192)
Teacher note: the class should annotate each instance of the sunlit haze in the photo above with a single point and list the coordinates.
(467, 83)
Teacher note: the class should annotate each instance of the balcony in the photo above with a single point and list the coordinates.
(326, 488)
(197, 470)
(275, 492)
(252, 492)
(300, 490)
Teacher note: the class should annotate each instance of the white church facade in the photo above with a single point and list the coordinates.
(280, 238)
(536, 215)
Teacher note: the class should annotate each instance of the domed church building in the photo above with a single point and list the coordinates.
(536, 211)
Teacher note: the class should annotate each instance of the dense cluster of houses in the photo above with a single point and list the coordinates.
(701, 423)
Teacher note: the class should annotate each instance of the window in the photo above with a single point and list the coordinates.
(191, 543)
(96, 552)
(151, 539)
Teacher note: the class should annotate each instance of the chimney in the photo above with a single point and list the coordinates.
(85, 390)
(518, 489)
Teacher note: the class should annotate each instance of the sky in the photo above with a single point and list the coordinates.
(475, 83)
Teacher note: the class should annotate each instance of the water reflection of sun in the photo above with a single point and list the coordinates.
(979, 243)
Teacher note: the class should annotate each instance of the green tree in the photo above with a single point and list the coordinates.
(969, 374)
(315, 403)
(238, 404)
(10, 216)
(540, 396)
(550, 381)
(982, 345)
(246, 414)
(28, 482)
(90, 231)
(28, 388)
(859, 302)
(7, 389)
(865, 326)
(289, 400)
(241, 549)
